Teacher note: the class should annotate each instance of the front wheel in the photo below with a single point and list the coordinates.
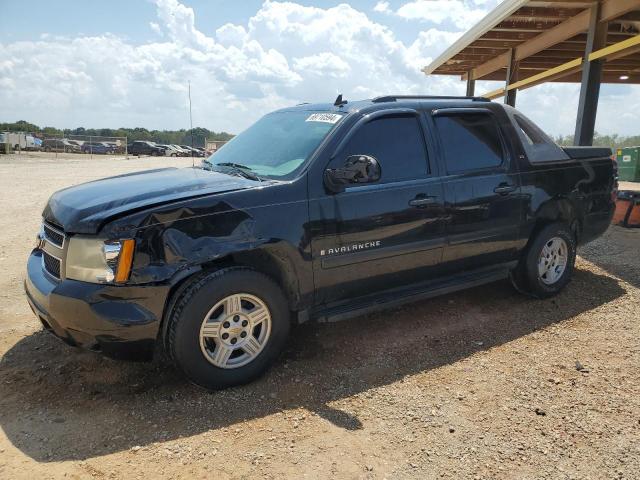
(547, 265)
(228, 327)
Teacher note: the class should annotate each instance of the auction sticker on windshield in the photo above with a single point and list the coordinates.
(324, 117)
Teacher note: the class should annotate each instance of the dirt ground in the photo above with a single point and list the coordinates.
(481, 384)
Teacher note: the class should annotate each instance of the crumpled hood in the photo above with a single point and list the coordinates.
(84, 208)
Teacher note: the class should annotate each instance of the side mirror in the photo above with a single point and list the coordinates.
(356, 169)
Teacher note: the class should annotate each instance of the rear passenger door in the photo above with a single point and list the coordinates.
(380, 235)
(483, 204)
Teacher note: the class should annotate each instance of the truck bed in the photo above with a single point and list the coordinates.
(584, 153)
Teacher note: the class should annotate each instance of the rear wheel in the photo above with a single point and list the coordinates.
(228, 327)
(547, 265)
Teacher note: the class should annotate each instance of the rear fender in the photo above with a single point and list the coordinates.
(555, 210)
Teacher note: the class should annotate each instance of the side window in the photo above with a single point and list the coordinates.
(527, 135)
(536, 143)
(469, 141)
(396, 142)
(532, 134)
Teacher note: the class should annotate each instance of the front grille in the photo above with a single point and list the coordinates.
(54, 235)
(51, 264)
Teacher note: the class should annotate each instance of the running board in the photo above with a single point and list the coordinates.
(397, 297)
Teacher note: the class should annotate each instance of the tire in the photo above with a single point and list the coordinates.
(154, 153)
(173, 154)
(206, 311)
(548, 262)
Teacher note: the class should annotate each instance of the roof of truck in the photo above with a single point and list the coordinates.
(392, 101)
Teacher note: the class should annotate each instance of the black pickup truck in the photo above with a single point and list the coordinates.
(315, 212)
(143, 147)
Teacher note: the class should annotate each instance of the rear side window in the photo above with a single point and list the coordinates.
(396, 142)
(469, 141)
(538, 146)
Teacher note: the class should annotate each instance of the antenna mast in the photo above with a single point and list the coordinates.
(193, 161)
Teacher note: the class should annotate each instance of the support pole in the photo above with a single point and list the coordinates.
(512, 77)
(591, 78)
(471, 85)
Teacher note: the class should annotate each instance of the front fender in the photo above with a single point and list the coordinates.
(271, 238)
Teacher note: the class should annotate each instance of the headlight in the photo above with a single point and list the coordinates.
(98, 261)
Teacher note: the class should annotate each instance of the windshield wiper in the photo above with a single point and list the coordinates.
(238, 169)
(231, 164)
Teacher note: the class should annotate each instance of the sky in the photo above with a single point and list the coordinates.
(128, 63)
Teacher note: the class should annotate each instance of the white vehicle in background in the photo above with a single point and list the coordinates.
(184, 152)
(79, 143)
(21, 141)
(171, 151)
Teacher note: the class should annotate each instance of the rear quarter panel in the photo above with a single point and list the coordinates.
(572, 189)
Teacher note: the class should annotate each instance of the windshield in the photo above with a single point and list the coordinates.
(277, 144)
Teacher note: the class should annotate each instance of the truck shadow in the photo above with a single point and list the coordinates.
(58, 403)
(616, 252)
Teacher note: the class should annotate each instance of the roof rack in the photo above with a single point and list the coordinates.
(395, 98)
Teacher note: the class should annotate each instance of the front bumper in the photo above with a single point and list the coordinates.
(120, 321)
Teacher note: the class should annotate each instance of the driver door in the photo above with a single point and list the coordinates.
(384, 231)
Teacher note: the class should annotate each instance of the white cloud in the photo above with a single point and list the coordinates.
(428, 41)
(179, 20)
(323, 64)
(156, 28)
(382, 7)
(460, 13)
(284, 54)
(230, 34)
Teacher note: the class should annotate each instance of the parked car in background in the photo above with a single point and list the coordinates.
(145, 147)
(183, 152)
(100, 148)
(193, 151)
(76, 142)
(116, 147)
(60, 145)
(171, 151)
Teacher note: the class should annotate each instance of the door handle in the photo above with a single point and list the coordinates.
(504, 189)
(422, 201)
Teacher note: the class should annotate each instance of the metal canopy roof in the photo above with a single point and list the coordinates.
(548, 40)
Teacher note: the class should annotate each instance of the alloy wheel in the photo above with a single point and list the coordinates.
(235, 330)
(553, 260)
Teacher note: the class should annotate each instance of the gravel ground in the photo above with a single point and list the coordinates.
(480, 384)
